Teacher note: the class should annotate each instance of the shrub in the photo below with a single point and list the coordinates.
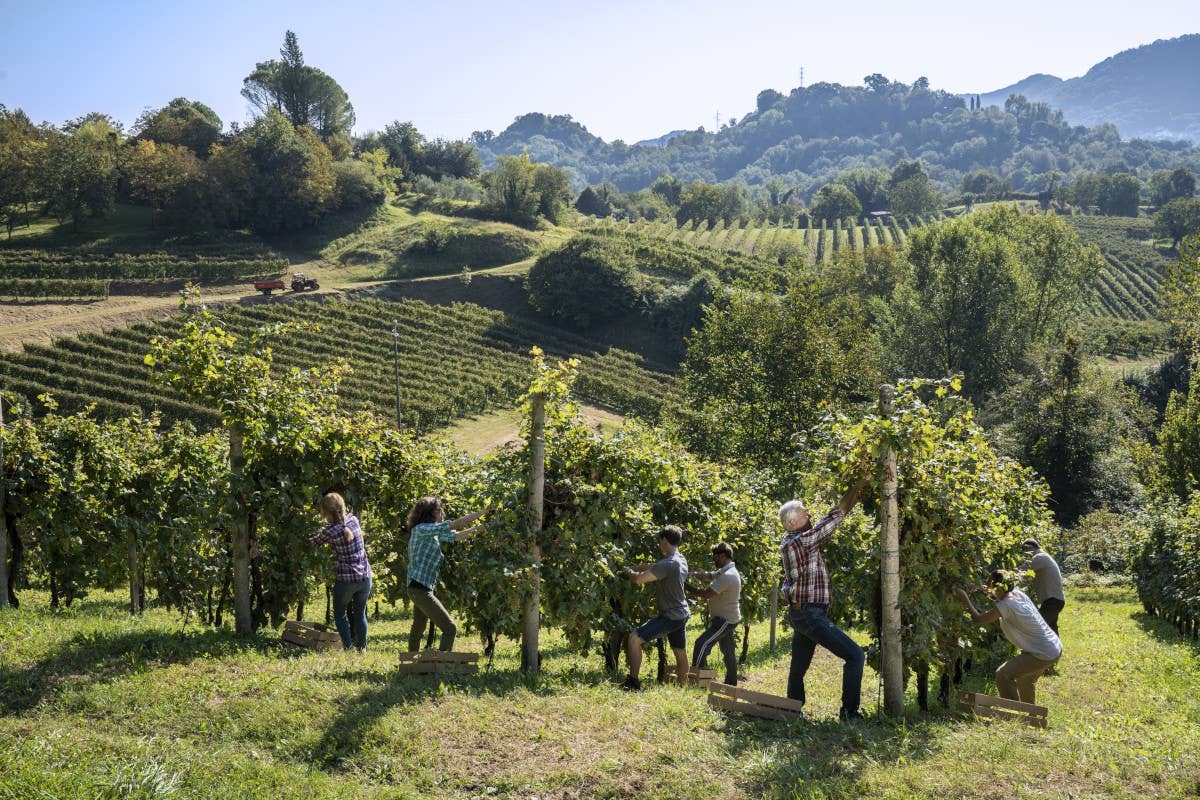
(588, 280)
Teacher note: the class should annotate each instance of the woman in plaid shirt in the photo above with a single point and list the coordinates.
(808, 591)
(428, 528)
(351, 571)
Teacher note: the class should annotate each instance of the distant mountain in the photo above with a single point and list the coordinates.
(1150, 92)
(661, 141)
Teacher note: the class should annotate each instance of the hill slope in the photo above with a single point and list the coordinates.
(1147, 92)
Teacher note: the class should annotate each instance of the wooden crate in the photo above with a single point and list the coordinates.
(983, 705)
(753, 704)
(701, 678)
(436, 662)
(311, 634)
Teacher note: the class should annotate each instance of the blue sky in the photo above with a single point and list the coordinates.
(629, 70)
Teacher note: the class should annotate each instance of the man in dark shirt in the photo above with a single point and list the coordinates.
(668, 574)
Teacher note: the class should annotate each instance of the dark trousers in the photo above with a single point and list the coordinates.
(811, 626)
(1050, 611)
(719, 631)
(427, 608)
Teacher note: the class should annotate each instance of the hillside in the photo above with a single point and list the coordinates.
(1147, 92)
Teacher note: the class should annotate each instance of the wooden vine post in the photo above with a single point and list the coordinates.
(531, 619)
(243, 623)
(3, 518)
(892, 656)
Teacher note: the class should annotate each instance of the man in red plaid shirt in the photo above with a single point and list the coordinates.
(807, 589)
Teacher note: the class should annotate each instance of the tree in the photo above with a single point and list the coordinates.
(1167, 186)
(760, 368)
(1178, 464)
(511, 190)
(22, 149)
(984, 185)
(157, 172)
(1119, 195)
(1181, 296)
(1178, 219)
(181, 122)
(668, 188)
(835, 202)
(81, 174)
(587, 281)
(870, 186)
(593, 203)
(304, 94)
(910, 192)
(1071, 423)
(554, 190)
(983, 289)
(281, 175)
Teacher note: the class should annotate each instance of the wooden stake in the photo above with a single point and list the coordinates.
(531, 621)
(243, 623)
(3, 517)
(892, 655)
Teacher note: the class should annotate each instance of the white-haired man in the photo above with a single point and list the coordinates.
(808, 591)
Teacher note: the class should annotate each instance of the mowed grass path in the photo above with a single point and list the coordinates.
(94, 704)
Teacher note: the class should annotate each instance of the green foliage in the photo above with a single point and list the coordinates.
(963, 510)
(305, 94)
(761, 368)
(1101, 541)
(1179, 183)
(1178, 467)
(1181, 295)
(589, 280)
(356, 185)
(835, 202)
(280, 176)
(183, 123)
(1166, 566)
(1177, 219)
(80, 176)
(1071, 423)
(515, 190)
(983, 289)
(53, 287)
(710, 203)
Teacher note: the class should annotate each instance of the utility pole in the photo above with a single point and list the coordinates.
(892, 655)
(802, 77)
(396, 362)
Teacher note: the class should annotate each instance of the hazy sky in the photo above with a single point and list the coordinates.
(629, 70)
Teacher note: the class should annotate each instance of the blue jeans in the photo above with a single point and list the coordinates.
(351, 596)
(811, 626)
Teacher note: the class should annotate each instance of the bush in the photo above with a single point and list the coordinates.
(1102, 541)
(587, 281)
(356, 186)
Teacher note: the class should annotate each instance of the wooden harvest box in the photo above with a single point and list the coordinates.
(435, 662)
(998, 708)
(702, 677)
(753, 704)
(311, 634)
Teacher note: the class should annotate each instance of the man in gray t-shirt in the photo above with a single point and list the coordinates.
(724, 611)
(668, 574)
(1047, 582)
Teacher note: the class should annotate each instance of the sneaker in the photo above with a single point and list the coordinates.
(850, 716)
(631, 684)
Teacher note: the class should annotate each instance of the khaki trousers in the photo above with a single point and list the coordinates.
(1016, 677)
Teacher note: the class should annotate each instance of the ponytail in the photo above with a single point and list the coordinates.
(334, 508)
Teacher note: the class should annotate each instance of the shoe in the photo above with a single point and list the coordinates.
(631, 684)
(850, 716)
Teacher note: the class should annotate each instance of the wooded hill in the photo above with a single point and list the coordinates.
(814, 133)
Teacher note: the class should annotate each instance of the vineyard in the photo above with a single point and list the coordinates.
(779, 242)
(452, 361)
(38, 273)
(1128, 286)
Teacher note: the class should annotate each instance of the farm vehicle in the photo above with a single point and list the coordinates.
(299, 284)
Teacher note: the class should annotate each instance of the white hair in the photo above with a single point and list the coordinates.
(788, 512)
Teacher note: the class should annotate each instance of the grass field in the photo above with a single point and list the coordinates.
(95, 704)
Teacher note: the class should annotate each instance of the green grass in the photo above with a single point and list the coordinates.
(94, 703)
